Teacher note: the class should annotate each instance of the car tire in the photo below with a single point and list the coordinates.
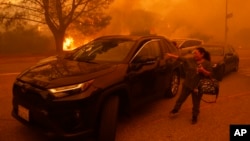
(220, 74)
(236, 68)
(108, 119)
(173, 86)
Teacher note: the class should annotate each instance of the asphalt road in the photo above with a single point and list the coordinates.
(151, 123)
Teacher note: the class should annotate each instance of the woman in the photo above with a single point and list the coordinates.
(196, 68)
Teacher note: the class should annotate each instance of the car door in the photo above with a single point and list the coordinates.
(142, 75)
(165, 67)
(168, 64)
(229, 59)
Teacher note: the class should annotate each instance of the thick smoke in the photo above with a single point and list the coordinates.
(182, 18)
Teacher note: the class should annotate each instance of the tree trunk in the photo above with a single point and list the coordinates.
(59, 38)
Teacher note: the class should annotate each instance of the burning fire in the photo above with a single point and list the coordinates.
(68, 44)
(71, 44)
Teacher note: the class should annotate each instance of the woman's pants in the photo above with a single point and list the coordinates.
(196, 98)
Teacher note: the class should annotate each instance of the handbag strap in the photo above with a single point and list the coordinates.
(216, 96)
(209, 101)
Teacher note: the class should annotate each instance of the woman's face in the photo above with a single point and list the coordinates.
(197, 54)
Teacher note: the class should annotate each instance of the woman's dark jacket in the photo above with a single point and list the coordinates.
(192, 78)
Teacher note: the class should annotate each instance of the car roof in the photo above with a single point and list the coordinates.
(130, 37)
(209, 44)
(214, 45)
(181, 41)
(186, 39)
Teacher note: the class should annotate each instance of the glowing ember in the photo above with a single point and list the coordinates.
(68, 44)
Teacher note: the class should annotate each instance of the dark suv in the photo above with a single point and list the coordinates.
(82, 92)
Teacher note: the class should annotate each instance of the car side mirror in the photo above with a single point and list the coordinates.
(144, 60)
(140, 61)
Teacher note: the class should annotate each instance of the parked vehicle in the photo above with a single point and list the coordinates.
(82, 92)
(225, 58)
(183, 44)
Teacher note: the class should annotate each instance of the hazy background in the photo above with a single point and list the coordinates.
(201, 19)
(182, 18)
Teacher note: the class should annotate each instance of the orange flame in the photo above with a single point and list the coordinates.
(68, 44)
(71, 43)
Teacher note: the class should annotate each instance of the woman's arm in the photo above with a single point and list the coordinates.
(206, 72)
(171, 55)
(179, 58)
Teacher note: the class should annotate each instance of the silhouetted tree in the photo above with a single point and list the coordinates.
(58, 15)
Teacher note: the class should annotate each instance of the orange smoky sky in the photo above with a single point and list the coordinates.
(179, 18)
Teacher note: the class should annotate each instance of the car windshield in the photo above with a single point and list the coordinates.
(215, 51)
(107, 50)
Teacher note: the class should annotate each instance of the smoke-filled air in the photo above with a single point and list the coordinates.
(182, 18)
(209, 20)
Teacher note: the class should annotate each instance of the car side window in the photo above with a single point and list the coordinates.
(228, 50)
(149, 49)
(231, 49)
(169, 48)
(186, 44)
(191, 43)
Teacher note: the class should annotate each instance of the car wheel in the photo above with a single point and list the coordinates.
(220, 74)
(108, 119)
(172, 90)
(236, 68)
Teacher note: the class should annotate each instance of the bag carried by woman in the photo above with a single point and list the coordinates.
(209, 86)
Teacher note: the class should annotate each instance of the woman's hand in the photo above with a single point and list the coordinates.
(202, 70)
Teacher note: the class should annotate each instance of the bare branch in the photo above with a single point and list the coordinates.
(27, 19)
(74, 6)
(59, 15)
(23, 7)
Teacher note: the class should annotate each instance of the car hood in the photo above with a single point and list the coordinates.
(56, 72)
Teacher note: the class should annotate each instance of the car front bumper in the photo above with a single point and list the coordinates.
(65, 119)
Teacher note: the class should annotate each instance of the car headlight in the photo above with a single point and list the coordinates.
(70, 89)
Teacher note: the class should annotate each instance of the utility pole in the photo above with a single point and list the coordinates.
(226, 26)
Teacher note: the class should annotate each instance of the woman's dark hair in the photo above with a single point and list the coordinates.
(206, 54)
